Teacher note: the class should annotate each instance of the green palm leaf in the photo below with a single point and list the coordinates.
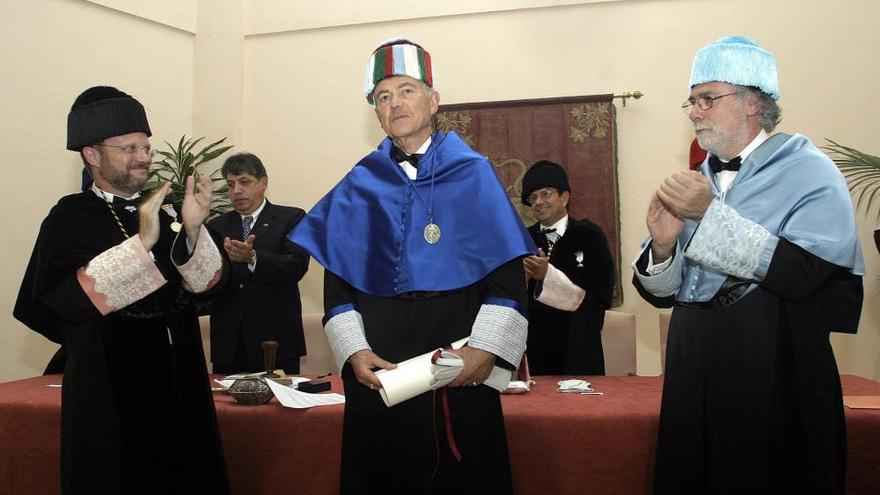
(176, 163)
(862, 172)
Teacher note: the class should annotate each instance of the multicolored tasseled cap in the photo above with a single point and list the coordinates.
(397, 57)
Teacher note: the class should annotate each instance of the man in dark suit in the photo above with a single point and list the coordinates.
(261, 301)
(570, 280)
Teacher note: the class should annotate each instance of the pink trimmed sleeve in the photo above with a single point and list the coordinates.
(559, 292)
(204, 267)
(120, 276)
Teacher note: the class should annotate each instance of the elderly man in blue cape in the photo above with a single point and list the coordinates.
(422, 247)
(758, 253)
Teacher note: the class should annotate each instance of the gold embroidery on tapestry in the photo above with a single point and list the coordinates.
(455, 121)
(590, 120)
(510, 173)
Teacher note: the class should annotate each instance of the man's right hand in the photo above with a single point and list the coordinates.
(536, 266)
(363, 363)
(148, 213)
(664, 228)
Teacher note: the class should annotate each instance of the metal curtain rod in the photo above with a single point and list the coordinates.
(629, 94)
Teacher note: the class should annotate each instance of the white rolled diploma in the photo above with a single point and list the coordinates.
(413, 377)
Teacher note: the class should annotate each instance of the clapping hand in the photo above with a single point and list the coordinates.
(148, 213)
(196, 206)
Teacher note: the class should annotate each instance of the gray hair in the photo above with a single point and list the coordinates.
(769, 113)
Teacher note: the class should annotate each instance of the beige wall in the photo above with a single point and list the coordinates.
(50, 51)
(291, 92)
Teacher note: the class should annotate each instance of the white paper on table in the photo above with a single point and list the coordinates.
(414, 377)
(577, 387)
(290, 397)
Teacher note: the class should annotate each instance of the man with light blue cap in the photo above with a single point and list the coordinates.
(759, 255)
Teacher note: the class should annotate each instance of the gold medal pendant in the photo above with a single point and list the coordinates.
(432, 233)
(171, 212)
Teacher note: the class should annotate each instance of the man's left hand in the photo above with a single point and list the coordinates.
(196, 206)
(238, 251)
(686, 194)
(477, 367)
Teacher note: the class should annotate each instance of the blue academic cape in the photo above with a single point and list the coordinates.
(794, 191)
(369, 229)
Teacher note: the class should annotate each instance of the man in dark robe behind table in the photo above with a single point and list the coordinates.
(422, 247)
(758, 253)
(571, 279)
(112, 279)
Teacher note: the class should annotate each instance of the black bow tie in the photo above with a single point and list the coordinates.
(548, 231)
(126, 203)
(717, 165)
(399, 156)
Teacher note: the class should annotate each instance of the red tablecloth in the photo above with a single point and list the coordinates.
(559, 443)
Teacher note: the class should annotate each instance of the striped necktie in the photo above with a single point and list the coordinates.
(246, 223)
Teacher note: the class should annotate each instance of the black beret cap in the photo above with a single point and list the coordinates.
(543, 174)
(101, 112)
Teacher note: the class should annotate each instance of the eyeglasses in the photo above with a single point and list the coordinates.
(704, 102)
(131, 149)
(544, 194)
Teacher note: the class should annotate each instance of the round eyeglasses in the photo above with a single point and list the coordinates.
(543, 194)
(704, 102)
(131, 149)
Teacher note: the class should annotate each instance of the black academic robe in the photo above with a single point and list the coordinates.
(137, 415)
(264, 304)
(570, 342)
(751, 398)
(405, 448)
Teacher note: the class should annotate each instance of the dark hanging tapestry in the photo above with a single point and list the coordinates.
(579, 133)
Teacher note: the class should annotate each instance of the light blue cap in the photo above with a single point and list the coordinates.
(736, 60)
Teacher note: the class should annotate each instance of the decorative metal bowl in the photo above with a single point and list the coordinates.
(250, 391)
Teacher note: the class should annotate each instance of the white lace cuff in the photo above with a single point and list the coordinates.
(731, 244)
(666, 282)
(204, 267)
(345, 334)
(500, 330)
(120, 276)
(558, 291)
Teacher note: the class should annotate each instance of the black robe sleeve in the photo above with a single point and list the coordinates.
(337, 292)
(799, 277)
(596, 276)
(284, 267)
(653, 300)
(50, 291)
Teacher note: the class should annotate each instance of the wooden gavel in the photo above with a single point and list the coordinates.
(270, 351)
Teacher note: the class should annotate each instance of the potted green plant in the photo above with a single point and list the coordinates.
(179, 162)
(862, 171)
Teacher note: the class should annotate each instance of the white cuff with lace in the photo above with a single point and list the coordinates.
(204, 267)
(120, 276)
(730, 243)
(558, 291)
